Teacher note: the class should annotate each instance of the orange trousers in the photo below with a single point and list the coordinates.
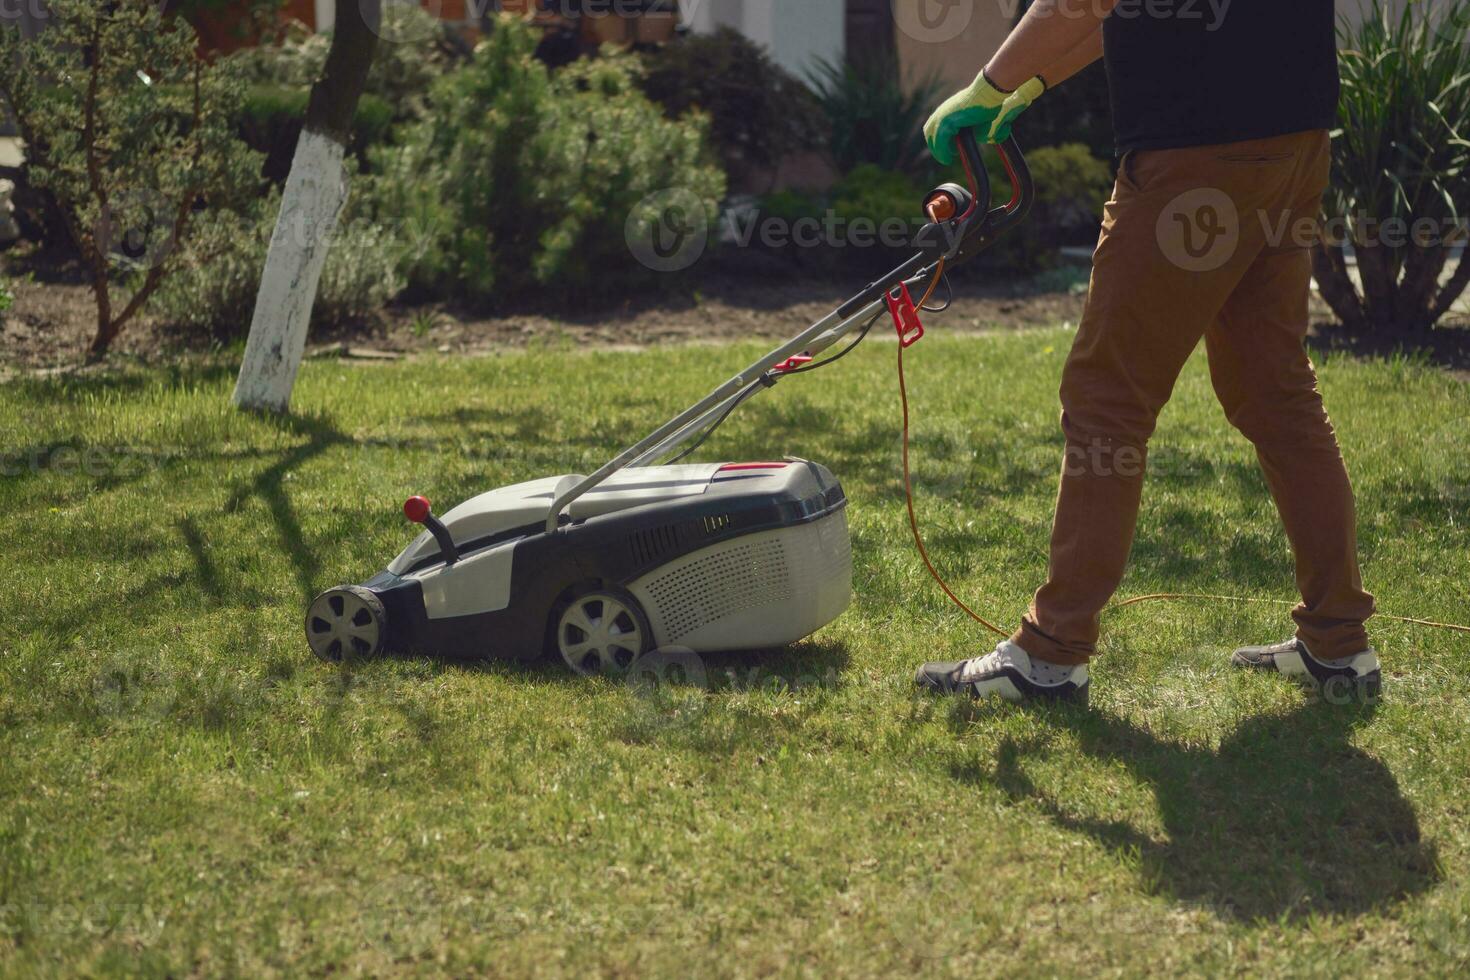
(1212, 242)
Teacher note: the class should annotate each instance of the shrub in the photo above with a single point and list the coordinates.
(790, 206)
(129, 132)
(879, 195)
(1400, 163)
(885, 207)
(1072, 186)
(858, 228)
(873, 117)
(217, 282)
(271, 117)
(759, 113)
(518, 181)
(413, 53)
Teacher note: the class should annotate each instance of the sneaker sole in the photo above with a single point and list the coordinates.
(1368, 687)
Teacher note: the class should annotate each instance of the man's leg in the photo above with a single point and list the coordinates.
(1268, 389)
(1181, 232)
(1145, 314)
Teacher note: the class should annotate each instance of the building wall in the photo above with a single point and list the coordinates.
(798, 33)
(948, 42)
(1354, 10)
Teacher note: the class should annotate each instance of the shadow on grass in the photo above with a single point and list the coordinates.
(268, 485)
(1286, 818)
(695, 704)
(806, 663)
(1446, 346)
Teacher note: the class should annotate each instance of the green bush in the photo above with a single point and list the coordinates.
(128, 131)
(759, 113)
(271, 117)
(790, 206)
(862, 226)
(873, 117)
(403, 70)
(1400, 190)
(518, 181)
(871, 194)
(216, 285)
(1072, 186)
(872, 202)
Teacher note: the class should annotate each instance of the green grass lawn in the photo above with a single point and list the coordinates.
(184, 790)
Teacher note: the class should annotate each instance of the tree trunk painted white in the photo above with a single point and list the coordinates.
(326, 15)
(311, 203)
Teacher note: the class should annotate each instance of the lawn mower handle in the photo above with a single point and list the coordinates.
(959, 238)
(968, 232)
(952, 241)
(1023, 188)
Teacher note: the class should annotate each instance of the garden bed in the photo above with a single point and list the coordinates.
(52, 321)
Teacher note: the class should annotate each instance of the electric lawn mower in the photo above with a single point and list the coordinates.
(650, 552)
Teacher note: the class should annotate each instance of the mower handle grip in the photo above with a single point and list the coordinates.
(1023, 193)
(980, 225)
(976, 175)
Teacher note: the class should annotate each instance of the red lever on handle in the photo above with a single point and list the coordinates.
(792, 363)
(905, 315)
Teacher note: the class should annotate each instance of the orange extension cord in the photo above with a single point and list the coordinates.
(908, 492)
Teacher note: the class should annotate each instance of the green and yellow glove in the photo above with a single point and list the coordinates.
(983, 107)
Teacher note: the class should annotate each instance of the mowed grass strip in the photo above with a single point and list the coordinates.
(183, 789)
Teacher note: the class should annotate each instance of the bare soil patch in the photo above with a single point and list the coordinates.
(54, 317)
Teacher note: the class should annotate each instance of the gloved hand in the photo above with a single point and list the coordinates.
(982, 106)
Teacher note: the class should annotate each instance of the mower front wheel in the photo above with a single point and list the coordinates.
(600, 630)
(347, 621)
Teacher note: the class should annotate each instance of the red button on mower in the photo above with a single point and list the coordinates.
(417, 509)
(420, 511)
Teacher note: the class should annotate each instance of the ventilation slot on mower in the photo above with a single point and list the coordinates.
(715, 524)
(651, 545)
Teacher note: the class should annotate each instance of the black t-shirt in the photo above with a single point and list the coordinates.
(1196, 72)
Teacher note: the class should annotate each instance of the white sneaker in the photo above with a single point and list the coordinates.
(1006, 672)
(1358, 675)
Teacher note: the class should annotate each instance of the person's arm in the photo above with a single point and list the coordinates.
(1084, 54)
(1054, 34)
(1053, 41)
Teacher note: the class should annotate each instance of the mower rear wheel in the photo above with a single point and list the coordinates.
(345, 622)
(601, 631)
